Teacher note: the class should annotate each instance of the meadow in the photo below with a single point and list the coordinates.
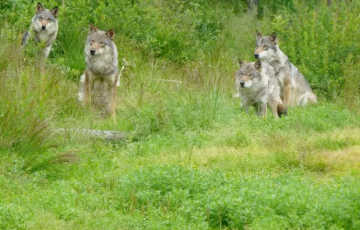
(191, 158)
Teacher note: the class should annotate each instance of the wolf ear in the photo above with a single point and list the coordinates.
(258, 35)
(273, 38)
(111, 34)
(257, 65)
(54, 11)
(241, 63)
(92, 29)
(39, 7)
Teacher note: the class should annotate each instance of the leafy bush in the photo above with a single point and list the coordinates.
(318, 40)
(247, 201)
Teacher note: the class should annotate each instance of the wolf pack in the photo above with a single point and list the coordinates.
(272, 81)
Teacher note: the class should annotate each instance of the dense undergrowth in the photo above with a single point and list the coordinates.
(193, 159)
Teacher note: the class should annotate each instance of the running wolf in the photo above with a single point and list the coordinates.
(257, 86)
(295, 89)
(99, 81)
(43, 29)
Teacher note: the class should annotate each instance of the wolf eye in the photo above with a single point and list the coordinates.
(92, 40)
(40, 18)
(265, 47)
(102, 42)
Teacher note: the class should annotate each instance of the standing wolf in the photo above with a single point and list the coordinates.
(43, 29)
(98, 84)
(295, 89)
(256, 85)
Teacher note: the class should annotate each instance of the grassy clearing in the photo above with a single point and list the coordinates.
(193, 159)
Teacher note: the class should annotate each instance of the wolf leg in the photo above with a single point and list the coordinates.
(245, 107)
(104, 97)
(85, 82)
(273, 106)
(281, 109)
(112, 100)
(100, 96)
(261, 109)
(287, 89)
(46, 51)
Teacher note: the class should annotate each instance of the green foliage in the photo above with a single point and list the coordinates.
(183, 32)
(193, 159)
(176, 30)
(318, 41)
(317, 38)
(24, 130)
(223, 201)
(351, 82)
(26, 97)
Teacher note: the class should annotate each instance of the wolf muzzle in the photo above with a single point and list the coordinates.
(256, 56)
(242, 84)
(92, 52)
(43, 27)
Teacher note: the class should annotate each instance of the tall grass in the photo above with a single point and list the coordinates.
(159, 92)
(193, 159)
(28, 102)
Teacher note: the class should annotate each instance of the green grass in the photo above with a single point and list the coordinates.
(193, 158)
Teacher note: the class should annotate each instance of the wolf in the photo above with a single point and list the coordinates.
(43, 29)
(257, 86)
(101, 76)
(294, 88)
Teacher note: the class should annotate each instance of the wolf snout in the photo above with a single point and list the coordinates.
(43, 27)
(242, 84)
(92, 52)
(256, 56)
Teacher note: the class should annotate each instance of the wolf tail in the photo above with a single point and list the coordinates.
(308, 98)
(281, 109)
(81, 96)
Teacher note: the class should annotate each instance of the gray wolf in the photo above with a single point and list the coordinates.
(294, 88)
(257, 86)
(43, 29)
(99, 81)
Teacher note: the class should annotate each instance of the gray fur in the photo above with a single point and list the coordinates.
(99, 81)
(257, 86)
(288, 75)
(43, 29)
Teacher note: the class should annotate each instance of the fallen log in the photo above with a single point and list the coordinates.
(105, 134)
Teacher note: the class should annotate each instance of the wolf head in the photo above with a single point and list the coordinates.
(99, 41)
(266, 47)
(44, 18)
(249, 74)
